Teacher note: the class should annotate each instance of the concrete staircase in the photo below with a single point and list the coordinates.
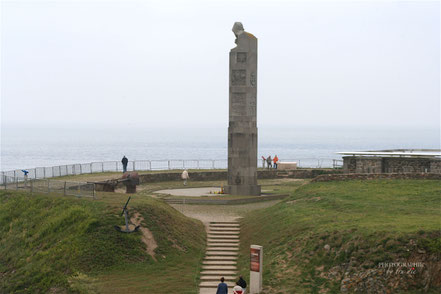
(221, 256)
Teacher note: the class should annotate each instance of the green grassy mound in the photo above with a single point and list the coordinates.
(342, 236)
(67, 245)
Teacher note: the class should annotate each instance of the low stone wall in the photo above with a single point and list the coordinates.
(222, 175)
(375, 164)
(345, 177)
(307, 173)
(226, 201)
(176, 176)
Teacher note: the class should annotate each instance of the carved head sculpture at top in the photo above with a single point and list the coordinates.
(238, 29)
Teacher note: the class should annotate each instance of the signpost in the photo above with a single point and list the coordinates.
(256, 265)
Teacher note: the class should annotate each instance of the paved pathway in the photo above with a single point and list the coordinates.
(221, 256)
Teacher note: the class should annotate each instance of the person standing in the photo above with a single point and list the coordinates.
(263, 161)
(124, 162)
(276, 159)
(269, 162)
(241, 282)
(222, 288)
(185, 177)
(25, 177)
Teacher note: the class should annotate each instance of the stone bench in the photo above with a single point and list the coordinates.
(286, 165)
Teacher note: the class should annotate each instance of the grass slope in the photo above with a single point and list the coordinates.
(68, 245)
(363, 222)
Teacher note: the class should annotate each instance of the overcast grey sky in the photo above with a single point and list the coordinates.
(151, 63)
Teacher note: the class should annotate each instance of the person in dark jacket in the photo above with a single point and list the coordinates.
(269, 162)
(241, 282)
(124, 162)
(222, 288)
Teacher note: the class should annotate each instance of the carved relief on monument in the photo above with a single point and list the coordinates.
(252, 108)
(238, 104)
(238, 179)
(241, 57)
(253, 79)
(238, 77)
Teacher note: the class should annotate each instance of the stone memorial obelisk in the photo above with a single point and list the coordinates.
(242, 130)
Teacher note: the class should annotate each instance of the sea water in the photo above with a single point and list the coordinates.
(50, 146)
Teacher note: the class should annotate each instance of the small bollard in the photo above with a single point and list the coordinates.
(256, 268)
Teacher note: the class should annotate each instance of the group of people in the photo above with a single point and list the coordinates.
(240, 288)
(270, 162)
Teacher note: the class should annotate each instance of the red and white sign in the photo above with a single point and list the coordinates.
(255, 260)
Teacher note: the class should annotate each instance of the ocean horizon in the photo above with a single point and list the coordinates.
(29, 147)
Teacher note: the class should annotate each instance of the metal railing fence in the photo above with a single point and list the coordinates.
(150, 165)
(78, 189)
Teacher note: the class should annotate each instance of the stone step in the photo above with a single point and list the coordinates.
(223, 241)
(217, 278)
(219, 262)
(213, 248)
(219, 267)
(221, 244)
(224, 225)
(224, 229)
(218, 273)
(208, 290)
(221, 253)
(223, 233)
(230, 237)
(221, 258)
(214, 285)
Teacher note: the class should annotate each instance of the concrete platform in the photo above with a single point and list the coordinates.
(194, 192)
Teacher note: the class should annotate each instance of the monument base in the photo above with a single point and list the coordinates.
(251, 190)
